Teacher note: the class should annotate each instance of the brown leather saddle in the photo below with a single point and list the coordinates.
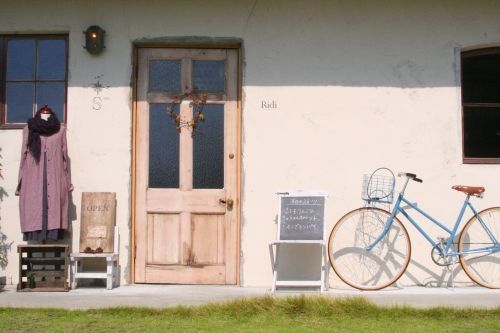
(471, 190)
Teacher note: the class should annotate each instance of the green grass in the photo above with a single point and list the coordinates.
(263, 314)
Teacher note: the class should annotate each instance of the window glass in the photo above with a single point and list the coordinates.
(20, 59)
(165, 75)
(163, 148)
(481, 79)
(481, 105)
(51, 59)
(52, 94)
(19, 101)
(208, 149)
(208, 75)
(482, 132)
(36, 74)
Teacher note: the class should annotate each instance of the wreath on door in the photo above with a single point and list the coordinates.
(198, 101)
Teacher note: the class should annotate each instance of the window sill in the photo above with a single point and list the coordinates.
(12, 126)
(476, 160)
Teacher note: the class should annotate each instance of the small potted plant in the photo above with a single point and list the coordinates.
(31, 280)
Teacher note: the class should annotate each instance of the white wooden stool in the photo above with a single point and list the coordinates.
(78, 268)
(111, 274)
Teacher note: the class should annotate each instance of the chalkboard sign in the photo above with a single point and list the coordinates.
(301, 217)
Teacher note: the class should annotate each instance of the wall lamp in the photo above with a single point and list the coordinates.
(94, 39)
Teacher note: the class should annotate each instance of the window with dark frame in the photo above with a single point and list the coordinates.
(481, 105)
(33, 73)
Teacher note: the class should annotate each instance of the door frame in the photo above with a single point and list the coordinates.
(187, 43)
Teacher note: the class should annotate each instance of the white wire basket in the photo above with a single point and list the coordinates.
(378, 187)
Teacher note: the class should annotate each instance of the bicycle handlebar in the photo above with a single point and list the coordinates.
(411, 176)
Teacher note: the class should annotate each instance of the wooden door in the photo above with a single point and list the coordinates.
(186, 179)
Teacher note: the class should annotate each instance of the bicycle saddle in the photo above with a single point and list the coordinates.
(469, 189)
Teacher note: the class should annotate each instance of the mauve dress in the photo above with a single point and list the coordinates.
(43, 188)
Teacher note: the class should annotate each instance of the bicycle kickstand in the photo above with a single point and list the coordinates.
(451, 268)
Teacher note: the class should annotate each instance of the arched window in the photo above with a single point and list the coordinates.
(481, 105)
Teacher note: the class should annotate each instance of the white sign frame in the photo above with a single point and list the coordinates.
(274, 254)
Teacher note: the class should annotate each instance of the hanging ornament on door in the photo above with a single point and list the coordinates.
(198, 101)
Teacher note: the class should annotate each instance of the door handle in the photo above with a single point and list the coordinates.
(228, 202)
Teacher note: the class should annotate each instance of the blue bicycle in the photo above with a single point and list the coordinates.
(369, 248)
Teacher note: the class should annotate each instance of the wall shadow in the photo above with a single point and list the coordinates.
(296, 43)
(5, 245)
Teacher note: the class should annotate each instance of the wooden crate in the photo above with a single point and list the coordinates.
(48, 264)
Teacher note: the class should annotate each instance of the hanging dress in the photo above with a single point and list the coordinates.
(43, 187)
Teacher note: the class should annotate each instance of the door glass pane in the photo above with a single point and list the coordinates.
(208, 149)
(51, 59)
(165, 75)
(163, 148)
(21, 59)
(52, 94)
(208, 75)
(20, 102)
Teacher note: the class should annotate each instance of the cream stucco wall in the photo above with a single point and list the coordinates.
(356, 85)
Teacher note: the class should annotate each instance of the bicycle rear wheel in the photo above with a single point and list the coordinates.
(362, 269)
(483, 268)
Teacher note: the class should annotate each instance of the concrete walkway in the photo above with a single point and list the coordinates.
(160, 296)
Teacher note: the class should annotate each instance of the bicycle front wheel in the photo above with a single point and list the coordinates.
(479, 243)
(374, 269)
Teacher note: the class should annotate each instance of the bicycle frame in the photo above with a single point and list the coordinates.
(452, 233)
